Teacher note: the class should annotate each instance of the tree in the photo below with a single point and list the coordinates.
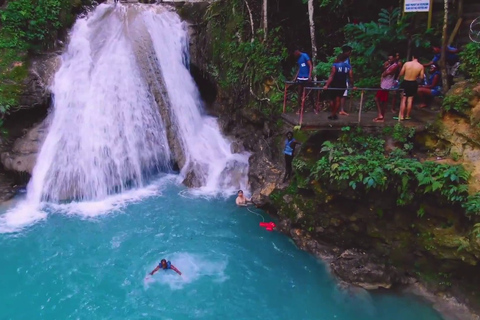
(443, 65)
(312, 31)
(265, 19)
(252, 39)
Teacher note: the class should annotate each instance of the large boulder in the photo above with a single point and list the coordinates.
(364, 270)
(23, 156)
(38, 81)
(26, 125)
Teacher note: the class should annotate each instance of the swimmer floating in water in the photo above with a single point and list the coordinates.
(165, 266)
(242, 200)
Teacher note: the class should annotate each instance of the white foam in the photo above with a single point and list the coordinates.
(27, 213)
(193, 267)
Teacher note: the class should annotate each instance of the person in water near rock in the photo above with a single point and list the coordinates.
(411, 71)
(165, 265)
(242, 200)
(289, 150)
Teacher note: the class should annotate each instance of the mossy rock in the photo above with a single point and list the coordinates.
(448, 244)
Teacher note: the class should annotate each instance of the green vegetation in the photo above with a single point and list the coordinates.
(470, 56)
(373, 41)
(358, 161)
(243, 63)
(28, 26)
(458, 103)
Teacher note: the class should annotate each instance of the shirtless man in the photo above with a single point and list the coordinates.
(241, 199)
(411, 71)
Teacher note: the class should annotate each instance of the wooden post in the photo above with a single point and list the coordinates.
(430, 13)
(460, 9)
(317, 102)
(285, 98)
(302, 108)
(443, 64)
(361, 106)
(455, 31)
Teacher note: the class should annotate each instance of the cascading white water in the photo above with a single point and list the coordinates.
(123, 100)
(207, 152)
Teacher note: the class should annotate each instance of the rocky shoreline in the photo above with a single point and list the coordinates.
(356, 269)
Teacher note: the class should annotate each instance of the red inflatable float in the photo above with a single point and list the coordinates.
(268, 225)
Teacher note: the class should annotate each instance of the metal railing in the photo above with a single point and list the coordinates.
(321, 89)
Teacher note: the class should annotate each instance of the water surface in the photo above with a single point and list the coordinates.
(89, 266)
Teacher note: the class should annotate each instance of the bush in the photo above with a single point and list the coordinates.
(470, 57)
(359, 161)
(28, 26)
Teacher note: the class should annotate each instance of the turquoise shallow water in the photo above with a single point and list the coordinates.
(70, 267)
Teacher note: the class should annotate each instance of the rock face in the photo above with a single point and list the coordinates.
(26, 125)
(365, 270)
(458, 132)
(23, 156)
(266, 162)
(40, 77)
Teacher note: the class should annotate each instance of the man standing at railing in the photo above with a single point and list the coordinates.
(411, 71)
(304, 74)
(341, 71)
(386, 82)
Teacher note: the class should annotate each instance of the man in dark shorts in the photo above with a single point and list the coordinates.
(304, 74)
(341, 70)
(411, 71)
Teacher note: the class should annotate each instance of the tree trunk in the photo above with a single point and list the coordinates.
(312, 33)
(265, 19)
(251, 21)
(443, 65)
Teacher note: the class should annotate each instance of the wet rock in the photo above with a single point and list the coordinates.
(195, 177)
(37, 83)
(23, 156)
(364, 270)
(237, 147)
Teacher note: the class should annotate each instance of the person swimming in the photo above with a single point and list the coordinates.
(165, 265)
(241, 199)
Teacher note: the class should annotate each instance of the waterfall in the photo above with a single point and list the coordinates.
(125, 108)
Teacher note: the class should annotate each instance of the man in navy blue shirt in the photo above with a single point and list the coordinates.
(452, 61)
(341, 71)
(304, 73)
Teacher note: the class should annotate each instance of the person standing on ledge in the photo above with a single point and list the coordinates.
(165, 265)
(411, 71)
(289, 151)
(241, 200)
(341, 70)
(304, 74)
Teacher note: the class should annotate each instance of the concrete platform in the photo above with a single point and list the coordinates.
(312, 121)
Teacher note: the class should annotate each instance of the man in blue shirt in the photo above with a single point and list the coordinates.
(304, 74)
(452, 61)
(289, 151)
